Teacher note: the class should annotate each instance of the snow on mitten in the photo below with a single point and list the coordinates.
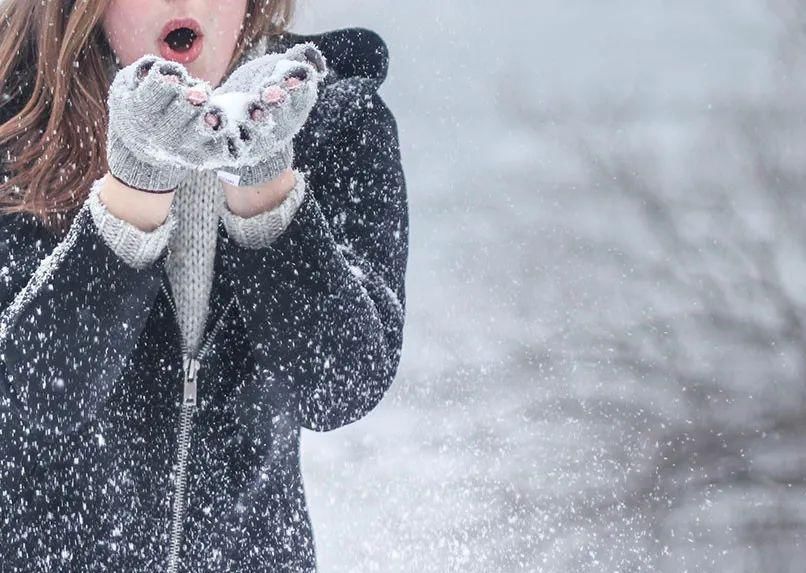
(265, 103)
(161, 125)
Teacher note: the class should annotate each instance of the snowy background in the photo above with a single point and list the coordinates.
(604, 365)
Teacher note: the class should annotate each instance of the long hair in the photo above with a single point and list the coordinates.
(54, 81)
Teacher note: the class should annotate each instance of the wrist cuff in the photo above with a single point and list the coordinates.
(136, 247)
(131, 171)
(248, 176)
(263, 229)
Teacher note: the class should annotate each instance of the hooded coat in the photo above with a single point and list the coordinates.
(305, 332)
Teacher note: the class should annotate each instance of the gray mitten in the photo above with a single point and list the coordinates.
(264, 104)
(161, 125)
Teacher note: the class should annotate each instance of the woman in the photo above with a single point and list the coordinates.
(164, 338)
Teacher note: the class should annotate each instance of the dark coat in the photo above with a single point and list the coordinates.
(304, 333)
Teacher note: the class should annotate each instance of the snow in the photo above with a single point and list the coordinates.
(604, 352)
(234, 105)
(602, 367)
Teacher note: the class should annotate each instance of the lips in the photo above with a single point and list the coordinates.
(186, 30)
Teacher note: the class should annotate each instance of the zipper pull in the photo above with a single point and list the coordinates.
(191, 367)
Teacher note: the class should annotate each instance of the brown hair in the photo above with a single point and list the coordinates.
(49, 151)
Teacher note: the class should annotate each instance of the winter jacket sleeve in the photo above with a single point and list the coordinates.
(324, 304)
(72, 311)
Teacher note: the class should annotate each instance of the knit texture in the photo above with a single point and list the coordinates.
(192, 251)
(191, 232)
(151, 126)
(268, 149)
(136, 247)
(251, 175)
(262, 229)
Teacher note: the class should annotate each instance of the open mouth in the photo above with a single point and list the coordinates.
(181, 40)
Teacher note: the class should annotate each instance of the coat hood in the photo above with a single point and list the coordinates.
(351, 53)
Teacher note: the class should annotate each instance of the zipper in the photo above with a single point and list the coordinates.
(190, 368)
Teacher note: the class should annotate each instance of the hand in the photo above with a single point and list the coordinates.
(264, 104)
(161, 125)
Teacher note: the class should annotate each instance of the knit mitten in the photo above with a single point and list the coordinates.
(264, 104)
(161, 125)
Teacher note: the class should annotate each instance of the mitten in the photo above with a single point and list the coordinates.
(161, 125)
(263, 105)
